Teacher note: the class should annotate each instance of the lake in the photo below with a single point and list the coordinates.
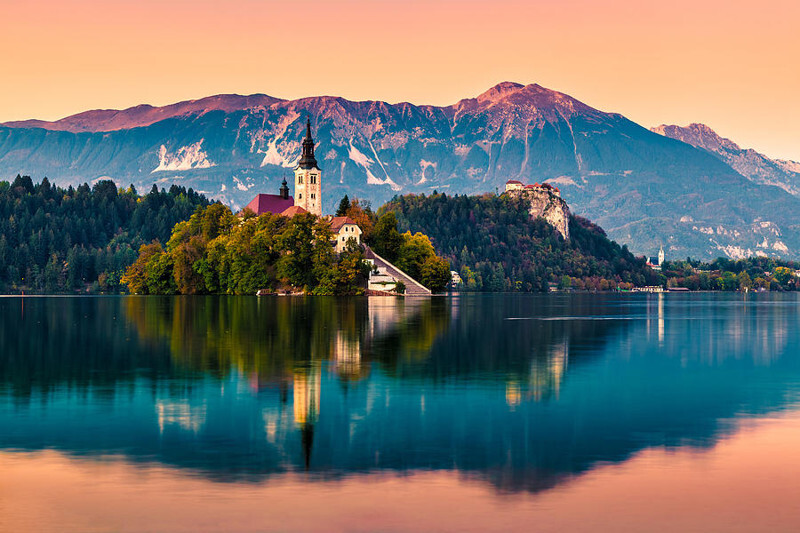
(583, 412)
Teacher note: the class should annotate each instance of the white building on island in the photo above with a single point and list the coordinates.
(344, 229)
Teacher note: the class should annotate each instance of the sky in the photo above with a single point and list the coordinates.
(734, 65)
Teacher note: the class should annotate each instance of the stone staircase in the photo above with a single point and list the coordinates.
(413, 287)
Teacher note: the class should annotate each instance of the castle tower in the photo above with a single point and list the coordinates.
(308, 177)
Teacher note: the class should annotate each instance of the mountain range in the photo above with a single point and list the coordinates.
(747, 162)
(645, 188)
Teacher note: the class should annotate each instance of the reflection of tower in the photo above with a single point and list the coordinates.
(307, 383)
(660, 317)
(347, 355)
(308, 177)
(306, 395)
(547, 375)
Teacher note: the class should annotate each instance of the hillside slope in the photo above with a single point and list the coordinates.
(495, 245)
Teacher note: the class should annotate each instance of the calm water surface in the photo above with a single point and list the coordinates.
(666, 412)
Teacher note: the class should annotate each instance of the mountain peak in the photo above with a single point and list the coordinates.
(500, 91)
(697, 134)
(531, 97)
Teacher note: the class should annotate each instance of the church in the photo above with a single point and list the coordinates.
(307, 187)
(307, 196)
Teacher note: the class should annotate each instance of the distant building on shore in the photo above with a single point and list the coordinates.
(656, 262)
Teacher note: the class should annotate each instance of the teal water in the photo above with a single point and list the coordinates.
(518, 395)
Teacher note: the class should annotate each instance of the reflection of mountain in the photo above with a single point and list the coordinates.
(614, 374)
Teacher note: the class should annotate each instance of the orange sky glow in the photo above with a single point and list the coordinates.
(731, 64)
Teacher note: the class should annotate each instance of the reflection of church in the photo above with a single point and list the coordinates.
(307, 385)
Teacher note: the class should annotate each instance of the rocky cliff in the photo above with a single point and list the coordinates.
(546, 203)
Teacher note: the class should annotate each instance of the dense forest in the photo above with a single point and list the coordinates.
(753, 273)
(55, 240)
(495, 245)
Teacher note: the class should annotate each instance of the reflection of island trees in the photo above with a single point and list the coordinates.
(284, 341)
(271, 338)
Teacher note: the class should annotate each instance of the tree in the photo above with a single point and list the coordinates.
(78, 238)
(136, 275)
(415, 250)
(435, 273)
(344, 207)
(783, 275)
(347, 275)
(362, 215)
(745, 283)
(386, 239)
(296, 265)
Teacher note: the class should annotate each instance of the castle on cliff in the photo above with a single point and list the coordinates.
(545, 201)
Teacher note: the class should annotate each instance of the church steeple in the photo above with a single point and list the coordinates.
(308, 177)
(284, 190)
(307, 159)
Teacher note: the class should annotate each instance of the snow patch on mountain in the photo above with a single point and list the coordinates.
(388, 180)
(185, 158)
(239, 185)
(461, 149)
(358, 156)
(735, 252)
(562, 180)
(365, 162)
(273, 156)
(424, 165)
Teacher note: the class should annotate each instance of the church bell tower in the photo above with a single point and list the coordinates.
(308, 177)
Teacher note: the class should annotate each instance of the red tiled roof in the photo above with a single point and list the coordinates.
(292, 211)
(269, 203)
(513, 181)
(338, 222)
(530, 186)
